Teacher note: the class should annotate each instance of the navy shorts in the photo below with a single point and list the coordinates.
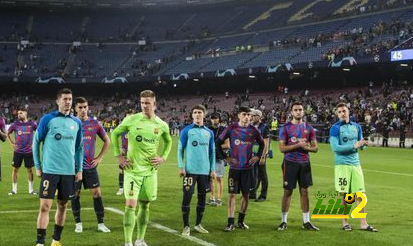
(63, 184)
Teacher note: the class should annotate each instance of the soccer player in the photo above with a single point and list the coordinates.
(241, 174)
(260, 168)
(196, 161)
(90, 129)
(141, 164)
(2, 136)
(346, 138)
(297, 139)
(62, 156)
(217, 129)
(22, 144)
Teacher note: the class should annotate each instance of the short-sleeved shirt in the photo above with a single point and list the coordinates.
(241, 142)
(23, 135)
(291, 134)
(91, 128)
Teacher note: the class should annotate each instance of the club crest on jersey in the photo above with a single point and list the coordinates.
(237, 142)
(19, 133)
(156, 130)
(89, 129)
(294, 139)
(305, 131)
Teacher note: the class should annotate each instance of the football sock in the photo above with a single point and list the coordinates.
(200, 208)
(185, 215)
(284, 216)
(30, 186)
(14, 185)
(306, 217)
(241, 217)
(186, 201)
(143, 219)
(41, 235)
(76, 208)
(230, 221)
(99, 209)
(129, 220)
(57, 232)
(120, 180)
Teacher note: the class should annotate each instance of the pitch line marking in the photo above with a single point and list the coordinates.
(167, 229)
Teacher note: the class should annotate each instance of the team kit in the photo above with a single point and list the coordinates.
(68, 161)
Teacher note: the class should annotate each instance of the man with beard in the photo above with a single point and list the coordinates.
(297, 138)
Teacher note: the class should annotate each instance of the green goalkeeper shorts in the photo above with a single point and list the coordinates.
(349, 179)
(144, 188)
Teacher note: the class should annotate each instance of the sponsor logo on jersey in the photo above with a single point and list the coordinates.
(72, 128)
(238, 142)
(139, 138)
(194, 143)
(59, 136)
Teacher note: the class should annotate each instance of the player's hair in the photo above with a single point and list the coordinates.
(200, 107)
(244, 110)
(296, 103)
(80, 100)
(147, 93)
(63, 91)
(22, 109)
(341, 104)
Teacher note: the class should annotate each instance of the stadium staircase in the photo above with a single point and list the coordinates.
(267, 14)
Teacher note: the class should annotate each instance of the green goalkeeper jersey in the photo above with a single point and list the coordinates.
(143, 135)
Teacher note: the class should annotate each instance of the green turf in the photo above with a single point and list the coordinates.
(388, 171)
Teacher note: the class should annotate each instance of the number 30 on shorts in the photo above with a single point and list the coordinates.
(188, 181)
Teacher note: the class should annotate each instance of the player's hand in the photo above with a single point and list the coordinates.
(253, 160)
(213, 175)
(231, 161)
(361, 143)
(78, 177)
(262, 161)
(182, 172)
(96, 161)
(156, 161)
(123, 151)
(38, 173)
(302, 144)
(123, 161)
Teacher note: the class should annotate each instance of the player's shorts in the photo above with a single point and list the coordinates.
(64, 184)
(241, 181)
(202, 181)
(349, 179)
(90, 179)
(19, 157)
(220, 168)
(144, 188)
(296, 171)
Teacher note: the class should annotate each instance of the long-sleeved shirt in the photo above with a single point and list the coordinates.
(143, 142)
(196, 150)
(342, 139)
(62, 138)
(241, 142)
